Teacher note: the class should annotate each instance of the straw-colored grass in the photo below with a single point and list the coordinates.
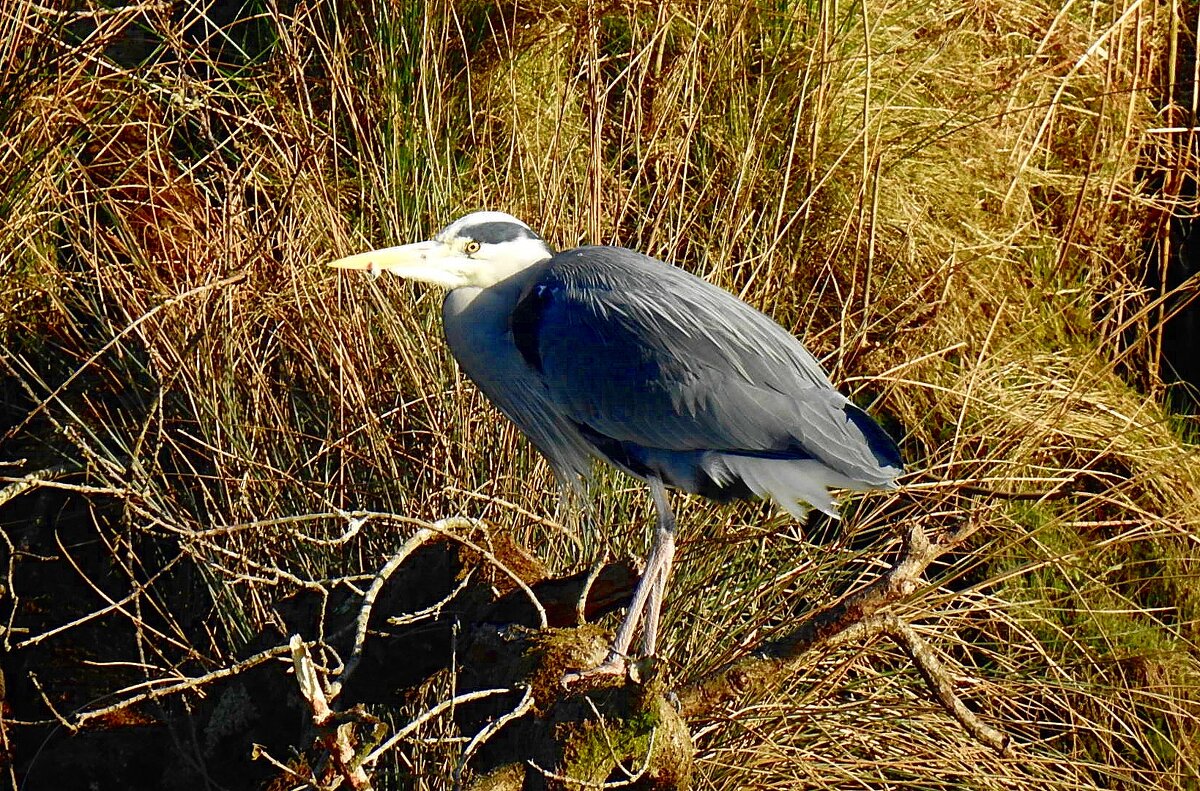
(952, 204)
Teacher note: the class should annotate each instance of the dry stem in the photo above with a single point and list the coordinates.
(857, 616)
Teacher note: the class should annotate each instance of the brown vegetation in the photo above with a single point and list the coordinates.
(959, 207)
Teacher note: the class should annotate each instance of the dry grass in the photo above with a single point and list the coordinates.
(950, 203)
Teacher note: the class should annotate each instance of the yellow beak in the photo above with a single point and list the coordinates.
(429, 262)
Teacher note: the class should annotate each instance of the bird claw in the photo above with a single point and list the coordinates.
(613, 666)
(636, 671)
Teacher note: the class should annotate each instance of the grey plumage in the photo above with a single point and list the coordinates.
(604, 352)
(638, 362)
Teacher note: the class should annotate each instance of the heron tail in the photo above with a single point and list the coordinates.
(796, 484)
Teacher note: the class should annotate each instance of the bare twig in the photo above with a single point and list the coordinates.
(112, 606)
(336, 739)
(43, 477)
(364, 613)
(401, 734)
(353, 526)
(182, 686)
(63, 721)
(939, 682)
(259, 752)
(855, 617)
(447, 528)
(434, 609)
(493, 727)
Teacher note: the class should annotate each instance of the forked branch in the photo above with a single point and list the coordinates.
(855, 617)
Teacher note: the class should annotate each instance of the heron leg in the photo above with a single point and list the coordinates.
(647, 597)
(664, 544)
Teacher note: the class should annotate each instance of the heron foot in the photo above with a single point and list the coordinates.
(638, 671)
(615, 665)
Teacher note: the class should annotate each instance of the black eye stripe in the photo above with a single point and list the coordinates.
(498, 232)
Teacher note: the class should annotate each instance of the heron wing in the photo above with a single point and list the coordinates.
(637, 351)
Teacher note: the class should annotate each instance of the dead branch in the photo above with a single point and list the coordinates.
(364, 612)
(448, 527)
(855, 617)
(48, 478)
(63, 721)
(940, 683)
(259, 753)
(403, 733)
(187, 684)
(337, 740)
(492, 728)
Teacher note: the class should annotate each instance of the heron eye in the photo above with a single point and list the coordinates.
(472, 248)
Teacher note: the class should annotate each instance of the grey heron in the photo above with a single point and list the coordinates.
(602, 352)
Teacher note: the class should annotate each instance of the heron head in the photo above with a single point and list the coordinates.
(480, 249)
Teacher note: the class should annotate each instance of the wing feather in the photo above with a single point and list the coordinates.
(649, 354)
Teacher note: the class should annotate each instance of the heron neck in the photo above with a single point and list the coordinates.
(483, 304)
(476, 322)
